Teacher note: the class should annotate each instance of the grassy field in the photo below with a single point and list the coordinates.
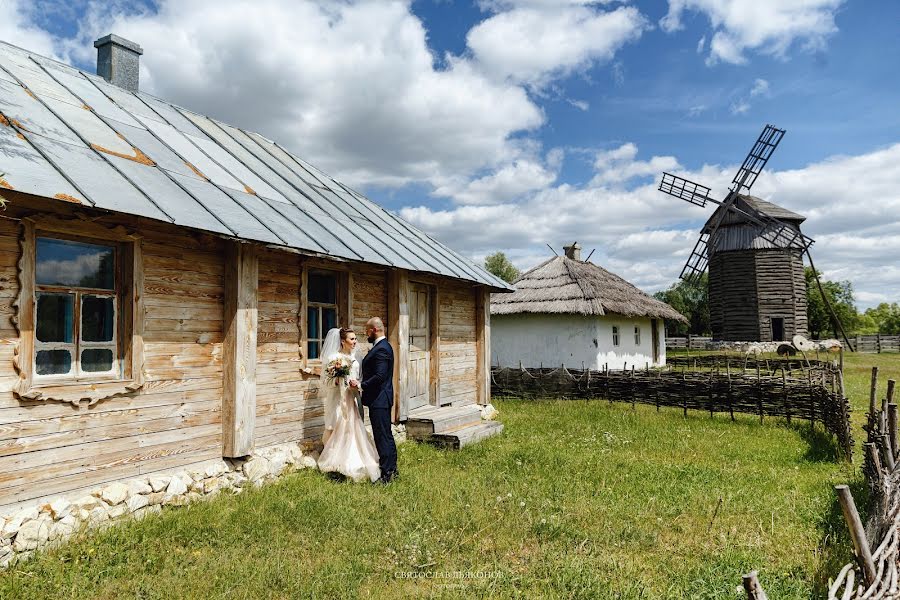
(576, 500)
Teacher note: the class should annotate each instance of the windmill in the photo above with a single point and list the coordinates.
(753, 250)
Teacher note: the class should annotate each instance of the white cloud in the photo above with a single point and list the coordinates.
(352, 87)
(17, 27)
(507, 183)
(760, 88)
(766, 26)
(645, 235)
(534, 42)
(740, 107)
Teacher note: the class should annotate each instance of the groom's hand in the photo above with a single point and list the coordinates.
(354, 384)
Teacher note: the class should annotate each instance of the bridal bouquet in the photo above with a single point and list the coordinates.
(338, 368)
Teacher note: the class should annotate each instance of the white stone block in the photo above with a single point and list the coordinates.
(139, 486)
(176, 487)
(115, 493)
(60, 508)
(256, 468)
(32, 534)
(159, 483)
(137, 502)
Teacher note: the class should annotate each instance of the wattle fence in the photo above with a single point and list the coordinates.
(870, 343)
(773, 388)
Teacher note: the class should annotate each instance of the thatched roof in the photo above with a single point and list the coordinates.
(565, 286)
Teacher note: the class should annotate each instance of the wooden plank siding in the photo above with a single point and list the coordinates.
(458, 347)
(48, 448)
(175, 419)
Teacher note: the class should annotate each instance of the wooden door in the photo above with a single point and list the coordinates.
(418, 372)
(654, 340)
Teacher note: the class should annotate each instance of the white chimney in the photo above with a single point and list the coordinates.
(118, 61)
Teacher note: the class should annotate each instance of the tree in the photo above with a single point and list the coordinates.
(840, 296)
(884, 318)
(497, 264)
(691, 300)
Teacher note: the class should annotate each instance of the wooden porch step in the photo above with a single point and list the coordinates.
(424, 422)
(464, 436)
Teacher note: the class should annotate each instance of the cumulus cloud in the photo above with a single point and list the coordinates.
(534, 42)
(645, 235)
(17, 26)
(766, 26)
(351, 86)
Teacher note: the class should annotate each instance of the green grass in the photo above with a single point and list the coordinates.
(576, 500)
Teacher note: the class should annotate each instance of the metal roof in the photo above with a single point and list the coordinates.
(70, 135)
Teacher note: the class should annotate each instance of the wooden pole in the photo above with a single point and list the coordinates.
(872, 393)
(857, 533)
(892, 428)
(872, 449)
(890, 391)
(886, 452)
(759, 392)
(753, 588)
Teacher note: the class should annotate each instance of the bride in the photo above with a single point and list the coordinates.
(348, 448)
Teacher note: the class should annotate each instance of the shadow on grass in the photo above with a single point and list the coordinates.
(822, 446)
(836, 545)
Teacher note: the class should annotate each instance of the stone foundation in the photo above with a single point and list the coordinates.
(49, 524)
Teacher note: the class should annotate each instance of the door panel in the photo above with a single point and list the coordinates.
(419, 346)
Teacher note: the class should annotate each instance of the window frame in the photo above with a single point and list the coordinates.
(128, 371)
(637, 335)
(615, 336)
(313, 366)
(78, 344)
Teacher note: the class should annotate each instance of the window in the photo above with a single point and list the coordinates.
(615, 335)
(637, 335)
(321, 309)
(76, 309)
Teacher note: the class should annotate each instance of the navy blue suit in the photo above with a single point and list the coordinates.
(378, 394)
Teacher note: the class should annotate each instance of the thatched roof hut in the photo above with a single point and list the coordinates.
(563, 285)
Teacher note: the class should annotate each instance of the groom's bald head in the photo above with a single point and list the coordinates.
(374, 328)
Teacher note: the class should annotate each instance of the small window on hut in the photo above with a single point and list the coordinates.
(615, 332)
(637, 336)
(321, 309)
(76, 309)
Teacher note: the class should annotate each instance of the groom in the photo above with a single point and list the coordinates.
(378, 394)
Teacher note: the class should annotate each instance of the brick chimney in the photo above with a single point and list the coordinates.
(573, 251)
(118, 61)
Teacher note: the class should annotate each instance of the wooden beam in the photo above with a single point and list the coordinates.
(398, 335)
(434, 358)
(239, 351)
(25, 310)
(483, 344)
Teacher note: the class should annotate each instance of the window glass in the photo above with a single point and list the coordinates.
(637, 336)
(312, 315)
(97, 360)
(97, 319)
(312, 349)
(53, 362)
(54, 318)
(75, 264)
(322, 288)
(615, 332)
(329, 319)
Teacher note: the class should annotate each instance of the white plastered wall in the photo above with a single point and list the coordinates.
(552, 340)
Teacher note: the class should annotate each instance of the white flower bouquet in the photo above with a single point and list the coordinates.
(337, 369)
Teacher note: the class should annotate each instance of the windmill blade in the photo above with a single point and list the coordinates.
(684, 189)
(697, 261)
(757, 158)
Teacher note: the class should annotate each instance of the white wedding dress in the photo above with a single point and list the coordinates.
(349, 449)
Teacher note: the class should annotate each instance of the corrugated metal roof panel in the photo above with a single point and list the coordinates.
(88, 93)
(153, 159)
(171, 198)
(18, 107)
(230, 212)
(26, 170)
(105, 187)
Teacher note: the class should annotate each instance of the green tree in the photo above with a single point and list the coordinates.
(884, 318)
(497, 264)
(691, 300)
(840, 296)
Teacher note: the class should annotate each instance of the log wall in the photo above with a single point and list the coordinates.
(48, 448)
(458, 349)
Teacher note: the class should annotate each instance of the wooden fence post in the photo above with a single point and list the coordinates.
(878, 343)
(873, 390)
(857, 532)
(752, 587)
(892, 428)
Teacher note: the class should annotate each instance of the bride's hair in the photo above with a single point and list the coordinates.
(345, 331)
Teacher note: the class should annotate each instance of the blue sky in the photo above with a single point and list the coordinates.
(510, 124)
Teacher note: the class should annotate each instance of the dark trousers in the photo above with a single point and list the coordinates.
(380, 418)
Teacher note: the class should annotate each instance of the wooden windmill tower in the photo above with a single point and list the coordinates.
(754, 252)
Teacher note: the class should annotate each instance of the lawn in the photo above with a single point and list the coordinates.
(575, 499)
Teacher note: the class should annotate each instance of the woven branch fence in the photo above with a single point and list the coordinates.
(746, 362)
(813, 393)
(874, 575)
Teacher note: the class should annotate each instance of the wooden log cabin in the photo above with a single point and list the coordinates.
(166, 281)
